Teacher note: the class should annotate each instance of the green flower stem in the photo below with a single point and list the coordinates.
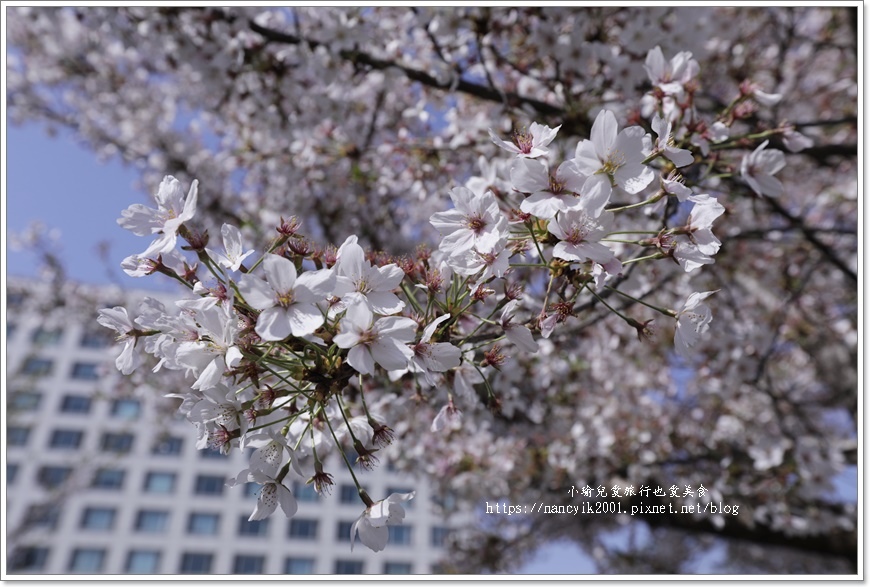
(535, 240)
(633, 232)
(547, 294)
(285, 419)
(344, 456)
(734, 142)
(411, 298)
(651, 200)
(278, 242)
(487, 320)
(606, 305)
(652, 156)
(617, 240)
(647, 258)
(665, 311)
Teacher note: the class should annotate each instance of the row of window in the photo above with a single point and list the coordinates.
(91, 338)
(145, 562)
(51, 477)
(201, 523)
(29, 401)
(72, 439)
(110, 442)
(41, 367)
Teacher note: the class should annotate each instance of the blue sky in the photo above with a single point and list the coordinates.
(55, 181)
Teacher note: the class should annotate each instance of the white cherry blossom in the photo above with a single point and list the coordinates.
(550, 194)
(528, 144)
(215, 350)
(372, 524)
(431, 357)
(702, 244)
(286, 301)
(579, 232)
(670, 76)
(617, 154)
(370, 342)
(759, 167)
(474, 222)
(117, 319)
(234, 256)
(517, 333)
(693, 320)
(375, 285)
(173, 210)
(665, 143)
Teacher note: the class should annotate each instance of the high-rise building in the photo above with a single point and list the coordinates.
(102, 483)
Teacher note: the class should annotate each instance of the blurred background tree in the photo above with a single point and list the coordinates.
(358, 121)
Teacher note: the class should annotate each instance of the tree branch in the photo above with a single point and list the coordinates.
(578, 124)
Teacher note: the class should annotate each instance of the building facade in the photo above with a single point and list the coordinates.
(100, 482)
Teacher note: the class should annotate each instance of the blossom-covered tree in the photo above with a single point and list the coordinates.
(522, 194)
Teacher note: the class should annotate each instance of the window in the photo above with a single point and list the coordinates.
(299, 566)
(37, 366)
(446, 501)
(29, 558)
(11, 329)
(117, 442)
(212, 453)
(200, 523)
(17, 435)
(42, 516)
(75, 404)
(108, 479)
(53, 477)
(397, 568)
(399, 534)
(44, 336)
(346, 567)
(195, 563)
(143, 562)
(160, 482)
(66, 439)
(25, 401)
(305, 491)
(254, 528)
(93, 338)
(153, 521)
(348, 494)
(439, 536)
(167, 445)
(407, 505)
(87, 560)
(86, 371)
(209, 485)
(248, 564)
(303, 528)
(126, 408)
(11, 472)
(252, 489)
(98, 518)
(343, 532)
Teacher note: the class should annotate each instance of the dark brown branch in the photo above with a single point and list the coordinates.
(811, 237)
(472, 89)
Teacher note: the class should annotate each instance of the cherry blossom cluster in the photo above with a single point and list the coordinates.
(276, 346)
